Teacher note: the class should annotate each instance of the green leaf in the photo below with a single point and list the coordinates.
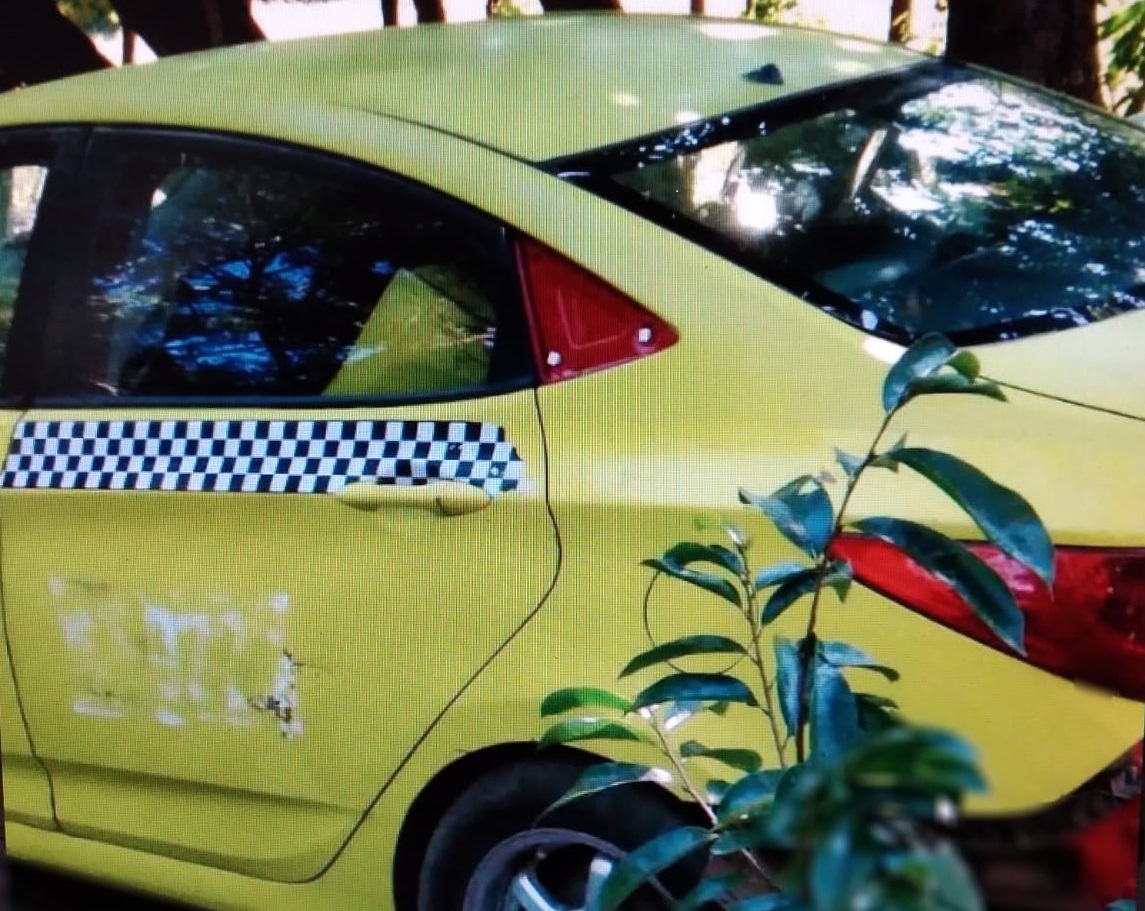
(677, 713)
(965, 363)
(797, 792)
(790, 591)
(917, 373)
(742, 760)
(954, 884)
(694, 687)
(919, 758)
(923, 358)
(754, 832)
(714, 584)
(730, 560)
(576, 729)
(849, 462)
(645, 862)
(715, 790)
(789, 677)
(1121, 20)
(982, 588)
(683, 648)
(690, 552)
(778, 572)
(834, 713)
(751, 793)
(837, 575)
(774, 901)
(952, 384)
(582, 697)
(609, 775)
(842, 654)
(1004, 516)
(875, 713)
(831, 878)
(710, 890)
(852, 464)
(802, 512)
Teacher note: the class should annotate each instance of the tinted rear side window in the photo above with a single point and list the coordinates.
(940, 200)
(218, 275)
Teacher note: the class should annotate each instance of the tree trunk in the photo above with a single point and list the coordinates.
(389, 13)
(427, 10)
(128, 46)
(696, 7)
(568, 6)
(900, 30)
(1050, 42)
(38, 43)
(188, 25)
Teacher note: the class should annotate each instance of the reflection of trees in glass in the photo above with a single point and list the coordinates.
(20, 190)
(971, 205)
(243, 279)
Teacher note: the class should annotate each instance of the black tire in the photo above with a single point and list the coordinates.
(495, 812)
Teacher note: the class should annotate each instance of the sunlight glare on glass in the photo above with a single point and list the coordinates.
(882, 350)
(756, 210)
(735, 31)
(850, 67)
(855, 46)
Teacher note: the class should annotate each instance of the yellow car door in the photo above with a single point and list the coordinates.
(30, 161)
(280, 495)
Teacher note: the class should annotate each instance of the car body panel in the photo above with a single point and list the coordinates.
(540, 62)
(1058, 364)
(179, 649)
(27, 789)
(642, 491)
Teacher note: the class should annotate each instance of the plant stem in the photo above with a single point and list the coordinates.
(807, 650)
(694, 793)
(751, 614)
(768, 698)
(678, 765)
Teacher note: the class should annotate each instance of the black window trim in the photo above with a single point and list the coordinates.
(513, 352)
(50, 257)
(593, 171)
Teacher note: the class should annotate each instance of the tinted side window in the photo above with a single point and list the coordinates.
(21, 188)
(215, 275)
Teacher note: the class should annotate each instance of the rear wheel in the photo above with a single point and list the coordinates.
(492, 852)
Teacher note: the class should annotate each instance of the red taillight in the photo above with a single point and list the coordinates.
(1079, 853)
(580, 323)
(1090, 628)
(1108, 855)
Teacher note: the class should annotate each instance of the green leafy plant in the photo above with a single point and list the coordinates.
(856, 813)
(1124, 34)
(768, 10)
(91, 15)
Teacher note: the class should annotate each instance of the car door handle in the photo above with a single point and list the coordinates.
(448, 498)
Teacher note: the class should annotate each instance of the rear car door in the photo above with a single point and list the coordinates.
(279, 495)
(32, 168)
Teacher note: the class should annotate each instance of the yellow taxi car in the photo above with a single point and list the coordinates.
(346, 383)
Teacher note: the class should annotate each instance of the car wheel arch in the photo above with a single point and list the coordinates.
(448, 784)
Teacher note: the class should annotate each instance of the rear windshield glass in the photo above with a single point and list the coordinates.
(936, 199)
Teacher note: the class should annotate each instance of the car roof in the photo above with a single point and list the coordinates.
(534, 87)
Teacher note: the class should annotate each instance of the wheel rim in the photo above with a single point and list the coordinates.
(551, 870)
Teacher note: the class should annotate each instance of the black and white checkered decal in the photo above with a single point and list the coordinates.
(257, 456)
